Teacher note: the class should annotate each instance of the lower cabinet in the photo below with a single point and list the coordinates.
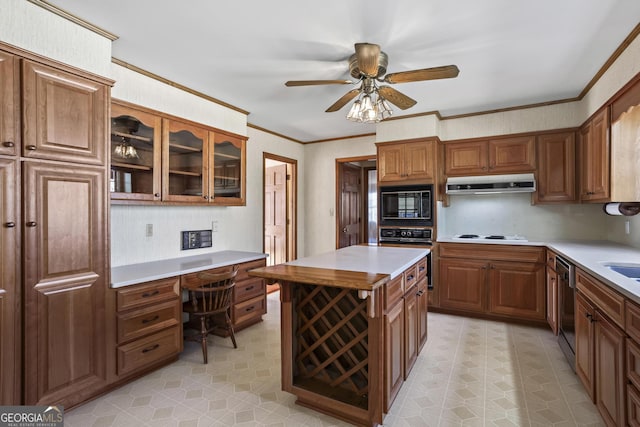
(499, 280)
(149, 325)
(552, 292)
(405, 327)
(601, 347)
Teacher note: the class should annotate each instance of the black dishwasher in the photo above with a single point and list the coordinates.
(566, 306)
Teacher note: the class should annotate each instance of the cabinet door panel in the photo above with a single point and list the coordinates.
(466, 158)
(594, 158)
(585, 366)
(507, 155)
(420, 160)
(9, 104)
(462, 284)
(556, 168)
(10, 311)
(65, 283)
(394, 353)
(423, 301)
(229, 160)
(552, 300)
(390, 162)
(609, 371)
(410, 330)
(517, 289)
(64, 116)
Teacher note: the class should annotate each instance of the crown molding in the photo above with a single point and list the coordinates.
(73, 18)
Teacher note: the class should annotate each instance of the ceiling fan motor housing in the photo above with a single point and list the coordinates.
(355, 72)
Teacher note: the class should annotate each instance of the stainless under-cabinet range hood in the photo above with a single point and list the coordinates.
(492, 184)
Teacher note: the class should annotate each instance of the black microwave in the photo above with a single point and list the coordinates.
(406, 205)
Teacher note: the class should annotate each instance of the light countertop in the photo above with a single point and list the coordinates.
(132, 274)
(367, 259)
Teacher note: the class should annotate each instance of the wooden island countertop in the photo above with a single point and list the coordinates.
(333, 352)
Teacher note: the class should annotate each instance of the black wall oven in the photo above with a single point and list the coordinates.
(406, 206)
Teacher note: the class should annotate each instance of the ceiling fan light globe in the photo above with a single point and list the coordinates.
(354, 112)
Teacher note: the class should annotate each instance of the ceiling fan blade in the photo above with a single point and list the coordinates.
(444, 72)
(343, 101)
(368, 56)
(317, 82)
(398, 99)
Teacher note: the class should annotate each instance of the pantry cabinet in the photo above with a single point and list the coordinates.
(407, 161)
(54, 232)
(10, 268)
(505, 155)
(556, 174)
(173, 160)
(595, 156)
(496, 280)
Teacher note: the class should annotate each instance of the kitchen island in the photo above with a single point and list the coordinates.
(342, 352)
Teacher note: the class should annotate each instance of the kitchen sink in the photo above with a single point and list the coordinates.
(631, 271)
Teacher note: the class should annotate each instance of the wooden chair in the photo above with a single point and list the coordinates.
(211, 297)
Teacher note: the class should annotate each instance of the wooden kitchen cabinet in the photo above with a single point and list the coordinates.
(149, 325)
(407, 161)
(135, 177)
(504, 155)
(9, 104)
(600, 347)
(411, 323)
(10, 267)
(552, 292)
(394, 352)
(496, 280)
(595, 155)
(556, 175)
(65, 115)
(66, 280)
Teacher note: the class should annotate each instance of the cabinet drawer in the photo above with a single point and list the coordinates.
(610, 302)
(493, 252)
(192, 280)
(247, 310)
(248, 289)
(147, 293)
(393, 292)
(147, 320)
(410, 277)
(632, 320)
(633, 406)
(148, 350)
(633, 362)
(423, 268)
(245, 267)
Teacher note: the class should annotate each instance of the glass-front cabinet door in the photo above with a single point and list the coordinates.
(135, 154)
(185, 162)
(228, 169)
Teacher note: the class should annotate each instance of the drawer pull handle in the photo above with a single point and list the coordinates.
(151, 348)
(8, 144)
(150, 294)
(9, 224)
(410, 277)
(31, 147)
(248, 288)
(421, 268)
(31, 224)
(250, 308)
(153, 319)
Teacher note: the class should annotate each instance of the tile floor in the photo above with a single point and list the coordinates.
(470, 373)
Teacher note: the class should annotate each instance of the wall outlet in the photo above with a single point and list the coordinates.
(149, 230)
(214, 226)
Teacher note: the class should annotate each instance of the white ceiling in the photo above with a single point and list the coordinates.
(509, 52)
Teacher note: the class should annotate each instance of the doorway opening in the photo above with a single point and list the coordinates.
(356, 201)
(280, 184)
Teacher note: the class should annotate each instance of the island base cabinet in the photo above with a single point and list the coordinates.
(394, 353)
(633, 406)
(584, 344)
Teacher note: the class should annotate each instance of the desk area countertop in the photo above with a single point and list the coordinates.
(126, 275)
(355, 267)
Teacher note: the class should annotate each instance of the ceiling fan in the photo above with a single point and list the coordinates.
(368, 65)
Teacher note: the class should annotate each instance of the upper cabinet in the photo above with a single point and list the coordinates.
(556, 168)
(76, 136)
(595, 154)
(492, 156)
(9, 104)
(157, 158)
(407, 161)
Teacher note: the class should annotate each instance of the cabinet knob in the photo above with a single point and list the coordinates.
(205, 197)
(8, 144)
(344, 230)
(31, 224)
(156, 195)
(31, 147)
(9, 224)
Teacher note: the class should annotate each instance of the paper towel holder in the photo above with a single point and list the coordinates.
(623, 208)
